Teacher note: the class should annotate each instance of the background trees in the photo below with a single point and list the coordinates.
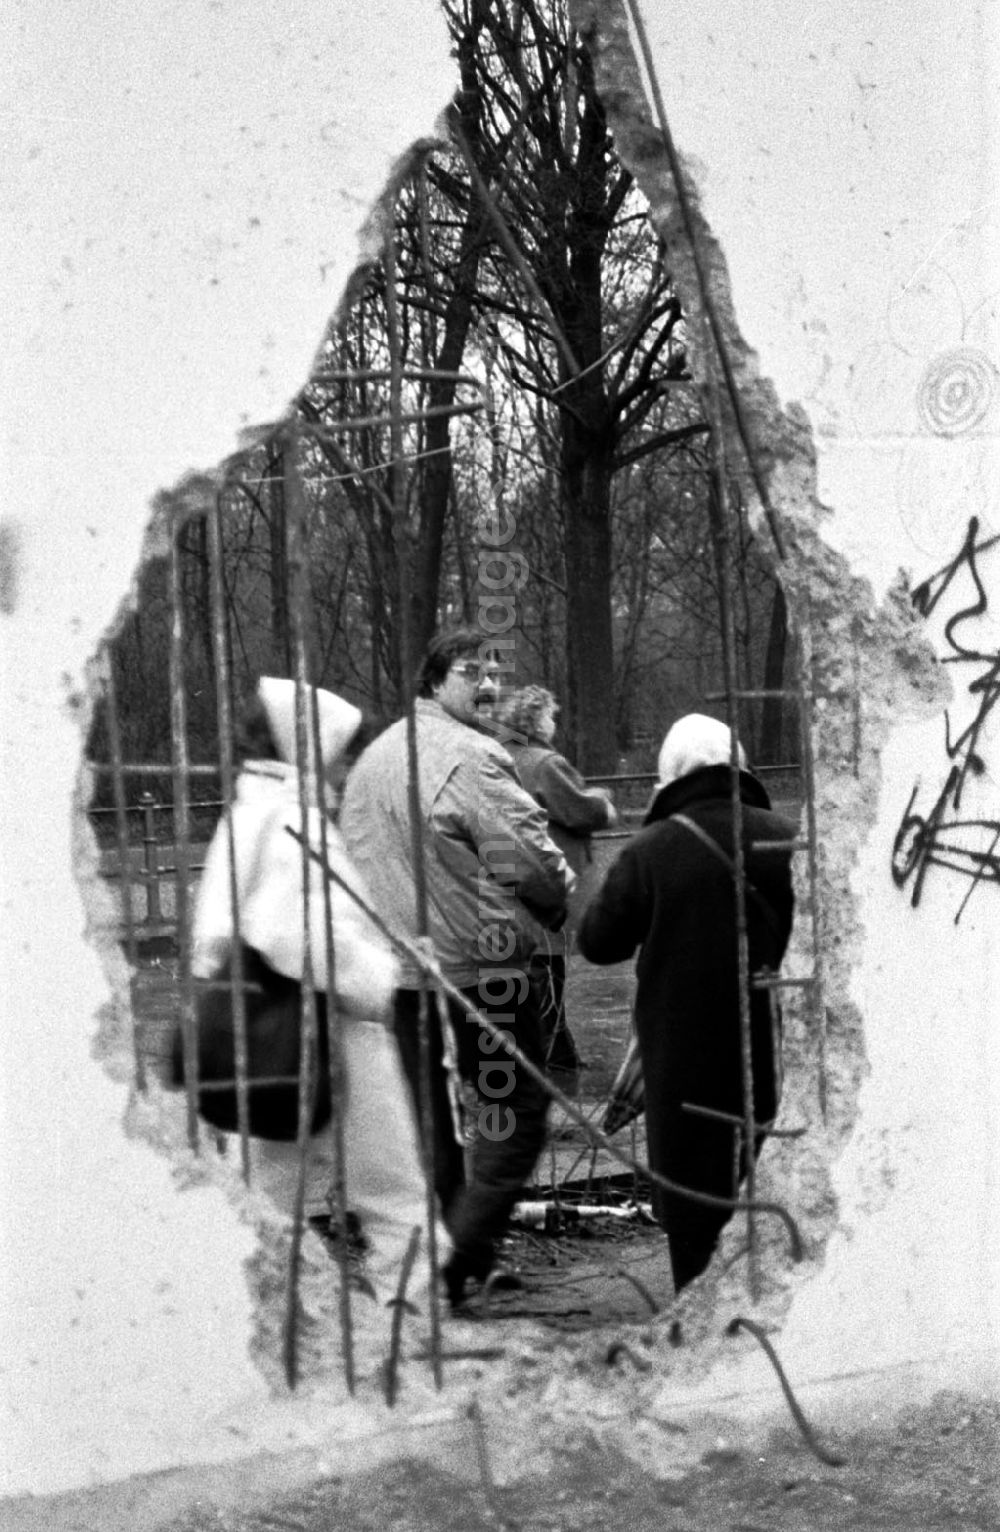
(543, 356)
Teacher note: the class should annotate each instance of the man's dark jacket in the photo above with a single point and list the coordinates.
(672, 898)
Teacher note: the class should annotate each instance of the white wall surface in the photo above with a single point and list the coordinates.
(860, 248)
(848, 168)
(847, 163)
(186, 185)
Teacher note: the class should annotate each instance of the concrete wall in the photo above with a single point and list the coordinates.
(188, 183)
(846, 173)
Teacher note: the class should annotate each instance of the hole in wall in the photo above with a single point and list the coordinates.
(609, 577)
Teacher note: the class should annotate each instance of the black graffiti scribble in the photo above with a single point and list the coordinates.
(940, 837)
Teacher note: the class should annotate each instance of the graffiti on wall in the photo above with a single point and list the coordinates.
(942, 834)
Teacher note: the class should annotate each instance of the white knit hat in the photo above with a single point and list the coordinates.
(695, 741)
(339, 720)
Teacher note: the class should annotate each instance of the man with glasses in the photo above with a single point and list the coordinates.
(494, 879)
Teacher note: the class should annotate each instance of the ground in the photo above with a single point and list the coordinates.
(936, 1470)
(583, 1266)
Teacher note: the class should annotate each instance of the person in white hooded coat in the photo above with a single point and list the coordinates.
(386, 1188)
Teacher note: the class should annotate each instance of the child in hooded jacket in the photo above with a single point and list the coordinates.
(385, 1180)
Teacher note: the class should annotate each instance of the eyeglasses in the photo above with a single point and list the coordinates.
(472, 670)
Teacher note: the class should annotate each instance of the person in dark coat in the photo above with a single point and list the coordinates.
(526, 723)
(673, 897)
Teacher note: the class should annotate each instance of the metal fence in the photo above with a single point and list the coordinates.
(151, 867)
(146, 863)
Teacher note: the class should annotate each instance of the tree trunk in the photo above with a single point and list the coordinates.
(588, 446)
(202, 677)
(435, 489)
(590, 652)
(436, 477)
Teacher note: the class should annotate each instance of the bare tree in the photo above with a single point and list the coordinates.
(576, 293)
(530, 283)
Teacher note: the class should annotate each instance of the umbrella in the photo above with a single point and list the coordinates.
(627, 1099)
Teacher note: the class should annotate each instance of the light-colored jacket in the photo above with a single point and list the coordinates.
(495, 879)
(270, 904)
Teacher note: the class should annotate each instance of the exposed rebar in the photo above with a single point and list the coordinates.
(180, 776)
(703, 280)
(227, 771)
(599, 1140)
(399, 1308)
(407, 669)
(718, 507)
(832, 1459)
(336, 1060)
(620, 1349)
(124, 860)
(640, 1287)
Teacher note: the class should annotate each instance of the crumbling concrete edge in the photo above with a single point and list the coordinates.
(870, 663)
(869, 666)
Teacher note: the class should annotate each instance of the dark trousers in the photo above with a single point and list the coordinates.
(700, 1152)
(703, 1157)
(558, 1045)
(509, 1125)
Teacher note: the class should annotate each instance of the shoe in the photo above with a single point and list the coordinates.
(503, 1280)
(459, 1271)
(455, 1273)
